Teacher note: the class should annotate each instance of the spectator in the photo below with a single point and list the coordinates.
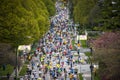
(8, 75)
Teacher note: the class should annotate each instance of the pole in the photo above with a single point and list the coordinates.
(91, 66)
(16, 69)
(91, 71)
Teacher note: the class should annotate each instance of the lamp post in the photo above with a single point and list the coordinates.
(91, 65)
(16, 68)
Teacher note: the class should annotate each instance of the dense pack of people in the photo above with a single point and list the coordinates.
(53, 59)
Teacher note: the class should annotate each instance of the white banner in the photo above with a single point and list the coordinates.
(25, 47)
(81, 37)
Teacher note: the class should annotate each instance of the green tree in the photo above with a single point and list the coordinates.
(101, 15)
(50, 6)
(40, 14)
(82, 10)
(17, 24)
(110, 13)
(22, 22)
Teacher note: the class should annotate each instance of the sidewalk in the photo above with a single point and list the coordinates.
(86, 76)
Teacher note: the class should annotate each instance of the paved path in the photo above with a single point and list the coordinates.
(53, 57)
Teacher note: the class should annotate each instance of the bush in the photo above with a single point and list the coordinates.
(83, 43)
(9, 69)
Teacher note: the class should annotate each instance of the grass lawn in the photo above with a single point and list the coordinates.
(73, 42)
(23, 71)
(83, 43)
(9, 69)
(3, 78)
(97, 77)
(88, 54)
(80, 76)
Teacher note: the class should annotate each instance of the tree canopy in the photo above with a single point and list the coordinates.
(50, 6)
(100, 15)
(107, 53)
(24, 21)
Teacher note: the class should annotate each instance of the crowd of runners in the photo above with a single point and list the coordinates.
(53, 58)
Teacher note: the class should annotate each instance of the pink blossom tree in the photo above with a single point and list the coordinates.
(107, 53)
